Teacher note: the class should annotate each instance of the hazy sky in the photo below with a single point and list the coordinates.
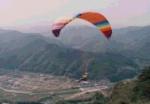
(118, 12)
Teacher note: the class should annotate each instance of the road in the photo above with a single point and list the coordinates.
(16, 91)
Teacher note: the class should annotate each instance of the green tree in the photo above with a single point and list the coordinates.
(98, 98)
(142, 88)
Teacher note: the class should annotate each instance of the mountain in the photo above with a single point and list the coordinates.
(42, 27)
(132, 42)
(133, 39)
(36, 53)
(133, 91)
(85, 37)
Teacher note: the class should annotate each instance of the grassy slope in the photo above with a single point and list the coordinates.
(133, 91)
(136, 91)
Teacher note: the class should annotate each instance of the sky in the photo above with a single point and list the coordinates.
(120, 13)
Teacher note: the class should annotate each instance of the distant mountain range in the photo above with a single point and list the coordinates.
(118, 58)
(131, 42)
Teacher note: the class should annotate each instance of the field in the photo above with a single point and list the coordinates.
(32, 87)
(25, 86)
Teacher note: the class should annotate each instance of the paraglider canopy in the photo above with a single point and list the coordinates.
(94, 18)
(59, 25)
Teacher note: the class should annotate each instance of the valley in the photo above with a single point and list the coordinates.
(35, 68)
(31, 87)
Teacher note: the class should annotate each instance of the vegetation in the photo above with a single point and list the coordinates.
(142, 89)
(30, 52)
(97, 98)
(122, 59)
(133, 91)
(136, 91)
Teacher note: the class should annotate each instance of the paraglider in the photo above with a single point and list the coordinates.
(59, 25)
(94, 18)
(97, 19)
